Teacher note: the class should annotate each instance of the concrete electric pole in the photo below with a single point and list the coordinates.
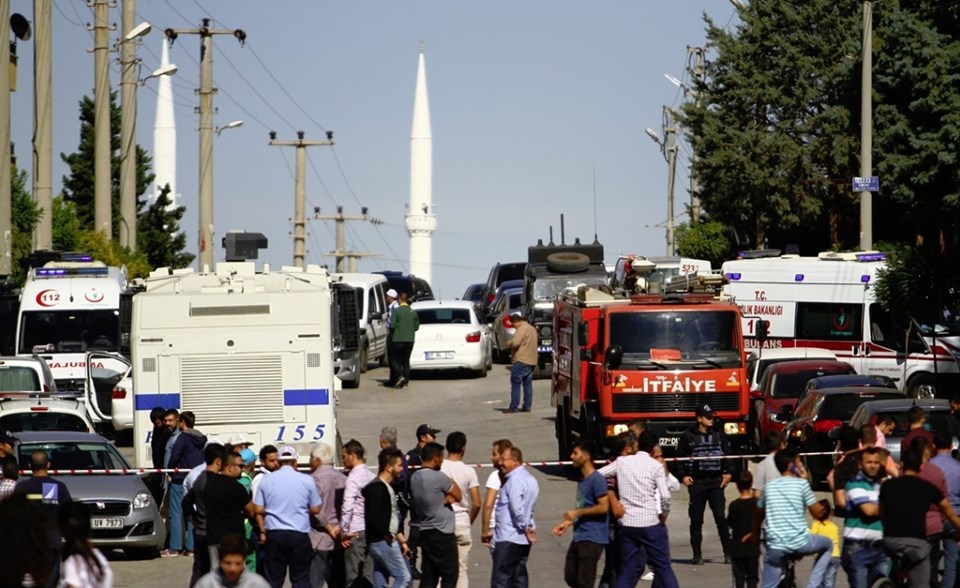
(341, 252)
(102, 199)
(6, 215)
(206, 92)
(128, 123)
(300, 191)
(668, 146)
(43, 123)
(695, 65)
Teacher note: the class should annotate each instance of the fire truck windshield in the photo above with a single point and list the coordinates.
(69, 331)
(707, 337)
(548, 288)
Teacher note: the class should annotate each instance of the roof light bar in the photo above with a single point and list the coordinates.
(58, 272)
(733, 276)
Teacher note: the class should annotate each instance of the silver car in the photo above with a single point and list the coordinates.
(507, 303)
(123, 513)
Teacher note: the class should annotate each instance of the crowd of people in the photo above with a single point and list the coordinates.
(410, 515)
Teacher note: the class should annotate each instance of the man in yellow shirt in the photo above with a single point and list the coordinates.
(523, 355)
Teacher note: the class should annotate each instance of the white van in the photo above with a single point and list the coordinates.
(759, 360)
(372, 302)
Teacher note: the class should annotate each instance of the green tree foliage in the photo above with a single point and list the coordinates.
(78, 186)
(109, 252)
(159, 234)
(772, 124)
(919, 282)
(66, 225)
(707, 240)
(25, 216)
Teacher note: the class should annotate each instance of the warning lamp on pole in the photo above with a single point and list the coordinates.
(763, 330)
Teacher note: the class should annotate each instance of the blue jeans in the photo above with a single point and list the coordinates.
(176, 520)
(521, 373)
(950, 553)
(640, 546)
(863, 563)
(816, 544)
(510, 566)
(388, 563)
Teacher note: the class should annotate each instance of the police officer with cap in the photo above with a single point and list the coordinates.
(706, 476)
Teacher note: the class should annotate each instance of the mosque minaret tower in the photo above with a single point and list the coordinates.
(165, 135)
(420, 220)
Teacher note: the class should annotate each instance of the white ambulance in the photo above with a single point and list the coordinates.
(829, 302)
(71, 307)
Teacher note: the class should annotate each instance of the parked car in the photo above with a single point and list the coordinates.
(416, 287)
(847, 380)
(759, 360)
(474, 293)
(123, 513)
(500, 273)
(818, 414)
(507, 303)
(780, 387)
(25, 374)
(44, 413)
(451, 336)
(938, 418)
(372, 306)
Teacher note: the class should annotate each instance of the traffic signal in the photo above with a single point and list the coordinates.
(763, 330)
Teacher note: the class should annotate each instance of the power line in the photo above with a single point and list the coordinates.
(257, 92)
(67, 18)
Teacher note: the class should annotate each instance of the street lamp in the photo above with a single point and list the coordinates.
(230, 125)
(129, 68)
(668, 146)
(164, 70)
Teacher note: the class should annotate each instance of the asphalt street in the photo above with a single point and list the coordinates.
(474, 406)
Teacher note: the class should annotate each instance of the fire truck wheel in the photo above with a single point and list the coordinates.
(568, 261)
(922, 386)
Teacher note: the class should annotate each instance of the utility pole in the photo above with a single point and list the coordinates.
(300, 191)
(43, 123)
(6, 215)
(866, 128)
(128, 126)
(341, 252)
(102, 200)
(697, 72)
(670, 152)
(206, 92)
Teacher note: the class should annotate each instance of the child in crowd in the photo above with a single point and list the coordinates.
(885, 426)
(825, 527)
(83, 564)
(232, 572)
(745, 557)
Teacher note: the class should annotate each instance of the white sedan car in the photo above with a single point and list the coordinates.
(451, 336)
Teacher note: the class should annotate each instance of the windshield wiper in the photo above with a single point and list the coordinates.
(709, 362)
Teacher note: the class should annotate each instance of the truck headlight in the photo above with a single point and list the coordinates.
(142, 500)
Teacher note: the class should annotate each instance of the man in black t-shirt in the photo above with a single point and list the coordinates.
(52, 496)
(903, 509)
(227, 502)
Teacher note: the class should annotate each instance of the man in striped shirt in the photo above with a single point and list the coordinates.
(643, 492)
(863, 556)
(780, 509)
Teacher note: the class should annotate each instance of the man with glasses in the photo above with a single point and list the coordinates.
(515, 530)
(706, 476)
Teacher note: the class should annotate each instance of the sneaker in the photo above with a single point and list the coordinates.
(188, 554)
(401, 382)
(168, 553)
(648, 577)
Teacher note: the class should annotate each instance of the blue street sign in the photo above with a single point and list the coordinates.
(866, 183)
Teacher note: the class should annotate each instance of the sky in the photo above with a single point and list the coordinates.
(538, 108)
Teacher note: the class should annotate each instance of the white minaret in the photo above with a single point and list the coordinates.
(165, 135)
(420, 221)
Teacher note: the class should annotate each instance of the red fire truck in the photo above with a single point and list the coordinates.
(648, 356)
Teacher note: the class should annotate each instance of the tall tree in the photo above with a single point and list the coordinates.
(772, 126)
(159, 234)
(25, 216)
(78, 186)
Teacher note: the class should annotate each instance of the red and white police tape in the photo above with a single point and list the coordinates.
(128, 471)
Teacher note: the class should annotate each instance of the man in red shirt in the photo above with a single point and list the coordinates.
(916, 419)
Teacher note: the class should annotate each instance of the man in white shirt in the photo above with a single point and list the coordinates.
(468, 507)
(494, 482)
(767, 469)
(643, 492)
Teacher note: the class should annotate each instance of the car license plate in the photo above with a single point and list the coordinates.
(668, 441)
(98, 523)
(428, 355)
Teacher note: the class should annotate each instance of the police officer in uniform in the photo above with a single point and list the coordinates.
(706, 479)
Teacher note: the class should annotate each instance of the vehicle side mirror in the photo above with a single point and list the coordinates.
(763, 330)
(376, 315)
(756, 394)
(613, 357)
(786, 410)
(583, 333)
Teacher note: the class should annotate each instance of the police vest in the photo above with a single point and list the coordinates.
(707, 445)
